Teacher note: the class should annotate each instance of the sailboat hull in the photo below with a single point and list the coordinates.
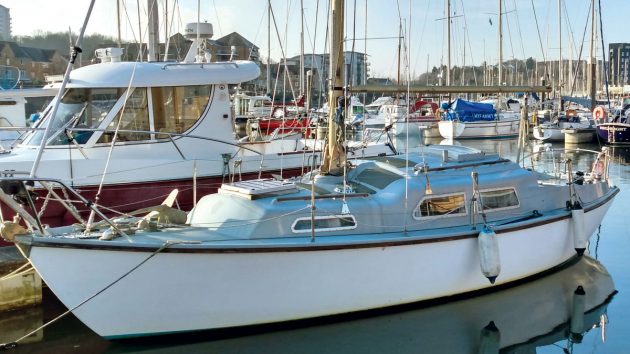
(614, 133)
(190, 287)
(479, 130)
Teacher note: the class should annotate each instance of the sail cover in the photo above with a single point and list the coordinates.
(467, 111)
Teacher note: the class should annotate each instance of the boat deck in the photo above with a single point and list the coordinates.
(195, 238)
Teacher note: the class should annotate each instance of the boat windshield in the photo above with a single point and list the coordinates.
(79, 108)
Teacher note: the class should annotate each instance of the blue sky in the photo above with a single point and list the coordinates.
(474, 20)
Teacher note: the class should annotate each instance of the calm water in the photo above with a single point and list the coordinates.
(530, 318)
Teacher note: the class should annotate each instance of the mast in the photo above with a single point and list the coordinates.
(302, 48)
(118, 23)
(560, 74)
(62, 89)
(500, 42)
(153, 48)
(463, 74)
(399, 45)
(334, 154)
(365, 62)
(448, 36)
(269, 47)
(591, 60)
(165, 27)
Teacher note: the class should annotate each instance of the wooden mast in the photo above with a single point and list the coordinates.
(334, 153)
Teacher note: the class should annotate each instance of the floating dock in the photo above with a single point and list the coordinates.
(20, 285)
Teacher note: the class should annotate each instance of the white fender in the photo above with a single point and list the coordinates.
(577, 314)
(490, 340)
(489, 254)
(580, 238)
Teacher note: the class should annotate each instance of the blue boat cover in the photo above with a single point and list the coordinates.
(467, 111)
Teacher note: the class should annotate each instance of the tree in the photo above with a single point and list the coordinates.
(62, 42)
(530, 63)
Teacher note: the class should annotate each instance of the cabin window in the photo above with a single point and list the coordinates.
(325, 223)
(133, 117)
(177, 109)
(442, 205)
(498, 199)
(259, 103)
(79, 108)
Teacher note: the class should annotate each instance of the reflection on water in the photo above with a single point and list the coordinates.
(20, 323)
(535, 314)
(621, 163)
(621, 155)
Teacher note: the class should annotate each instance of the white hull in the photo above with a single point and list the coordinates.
(556, 132)
(413, 128)
(218, 289)
(547, 133)
(479, 130)
(162, 161)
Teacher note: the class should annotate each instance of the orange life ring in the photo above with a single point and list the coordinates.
(599, 113)
(571, 113)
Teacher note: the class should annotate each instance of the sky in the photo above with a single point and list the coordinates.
(474, 26)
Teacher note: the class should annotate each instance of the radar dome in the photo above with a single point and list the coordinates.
(204, 29)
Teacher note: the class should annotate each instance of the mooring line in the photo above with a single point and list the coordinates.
(14, 344)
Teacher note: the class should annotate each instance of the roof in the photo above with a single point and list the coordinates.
(380, 80)
(235, 39)
(34, 54)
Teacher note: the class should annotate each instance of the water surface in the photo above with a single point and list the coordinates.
(533, 317)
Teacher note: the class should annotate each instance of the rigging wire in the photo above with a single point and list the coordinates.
(542, 48)
(601, 29)
(131, 27)
(347, 101)
(251, 49)
(577, 69)
(115, 136)
(407, 103)
(520, 36)
(514, 62)
(424, 25)
(572, 47)
(467, 39)
(214, 4)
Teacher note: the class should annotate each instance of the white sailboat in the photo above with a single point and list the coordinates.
(478, 120)
(353, 236)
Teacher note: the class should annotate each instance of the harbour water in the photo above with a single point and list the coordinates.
(537, 316)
